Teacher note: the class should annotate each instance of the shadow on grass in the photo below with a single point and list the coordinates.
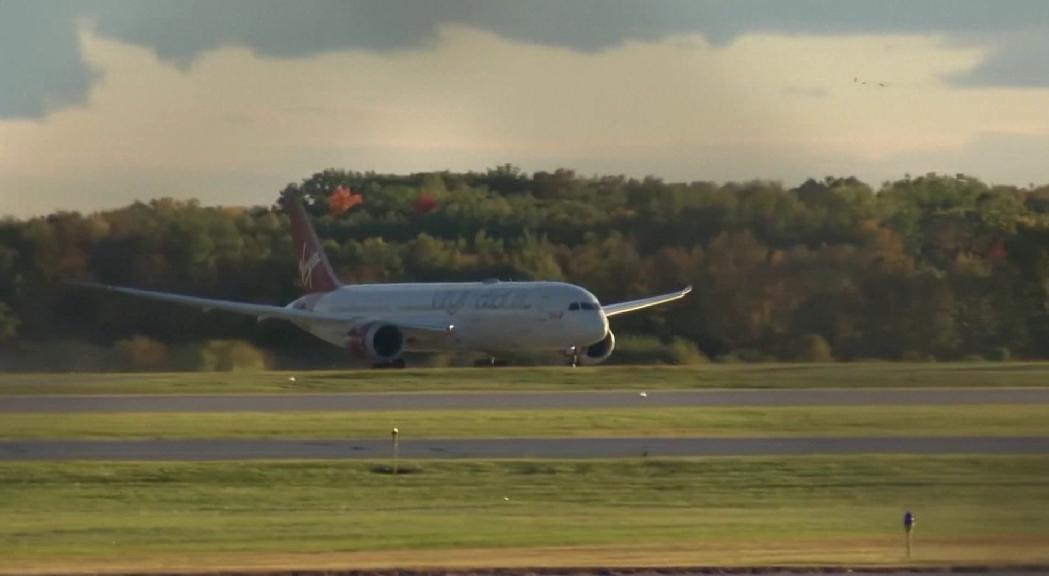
(401, 470)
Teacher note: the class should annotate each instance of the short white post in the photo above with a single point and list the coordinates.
(396, 448)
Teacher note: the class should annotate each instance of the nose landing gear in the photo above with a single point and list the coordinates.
(573, 356)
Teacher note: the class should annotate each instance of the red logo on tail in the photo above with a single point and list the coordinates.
(306, 266)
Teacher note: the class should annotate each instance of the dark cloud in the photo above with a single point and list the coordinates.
(40, 65)
(1020, 62)
(180, 30)
(41, 68)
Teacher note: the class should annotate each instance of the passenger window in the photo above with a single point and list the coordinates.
(573, 306)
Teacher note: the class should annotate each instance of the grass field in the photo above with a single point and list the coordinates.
(873, 374)
(689, 511)
(102, 516)
(995, 420)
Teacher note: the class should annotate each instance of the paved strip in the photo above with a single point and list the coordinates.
(519, 400)
(226, 449)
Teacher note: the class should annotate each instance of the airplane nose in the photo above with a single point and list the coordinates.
(597, 326)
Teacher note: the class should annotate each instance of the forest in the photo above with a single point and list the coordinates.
(925, 268)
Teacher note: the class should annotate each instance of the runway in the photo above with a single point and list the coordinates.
(380, 448)
(518, 400)
(228, 449)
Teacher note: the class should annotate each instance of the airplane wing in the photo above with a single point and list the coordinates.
(624, 307)
(262, 311)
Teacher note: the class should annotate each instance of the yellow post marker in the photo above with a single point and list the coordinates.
(396, 448)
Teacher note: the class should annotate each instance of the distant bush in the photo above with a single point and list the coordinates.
(141, 353)
(914, 356)
(440, 360)
(999, 354)
(56, 356)
(749, 355)
(228, 356)
(8, 323)
(812, 348)
(637, 349)
(686, 353)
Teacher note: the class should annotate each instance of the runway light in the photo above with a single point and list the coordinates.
(291, 378)
(643, 394)
(506, 498)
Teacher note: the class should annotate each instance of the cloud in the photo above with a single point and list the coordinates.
(996, 157)
(180, 31)
(234, 127)
(1020, 62)
(41, 69)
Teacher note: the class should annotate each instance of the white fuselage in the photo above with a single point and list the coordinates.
(487, 316)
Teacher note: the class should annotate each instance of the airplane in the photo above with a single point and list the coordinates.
(380, 322)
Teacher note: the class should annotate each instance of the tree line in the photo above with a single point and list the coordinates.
(933, 267)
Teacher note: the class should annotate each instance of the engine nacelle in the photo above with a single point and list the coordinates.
(377, 342)
(598, 352)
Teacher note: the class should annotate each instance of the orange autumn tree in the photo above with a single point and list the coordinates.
(342, 199)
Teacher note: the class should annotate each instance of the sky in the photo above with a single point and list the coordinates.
(105, 102)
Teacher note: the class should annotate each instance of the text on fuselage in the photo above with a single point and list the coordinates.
(454, 300)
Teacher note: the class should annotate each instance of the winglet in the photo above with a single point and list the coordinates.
(315, 272)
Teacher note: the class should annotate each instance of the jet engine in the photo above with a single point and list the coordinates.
(379, 343)
(599, 351)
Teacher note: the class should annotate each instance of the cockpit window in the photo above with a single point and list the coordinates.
(587, 306)
(573, 306)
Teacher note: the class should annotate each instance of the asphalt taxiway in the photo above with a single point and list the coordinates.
(262, 448)
(270, 449)
(292, 402)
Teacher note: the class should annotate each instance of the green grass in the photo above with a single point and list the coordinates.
(88, 516)
(873, 374)
(993, 420)
(709, 510)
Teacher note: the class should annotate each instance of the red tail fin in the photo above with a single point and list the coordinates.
(315, 272)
